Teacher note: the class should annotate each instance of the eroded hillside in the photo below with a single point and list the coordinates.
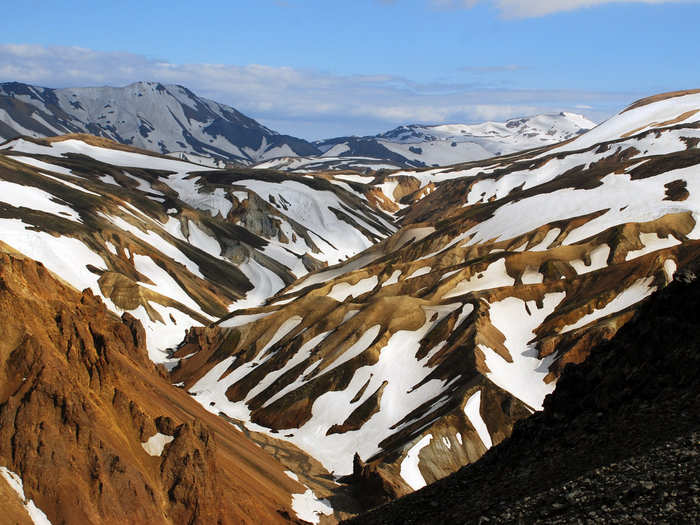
(94, 431)
(423, 351)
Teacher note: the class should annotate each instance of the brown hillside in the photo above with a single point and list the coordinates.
(78, 397)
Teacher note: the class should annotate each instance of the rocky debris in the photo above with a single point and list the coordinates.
(660, 486)
(617, 440)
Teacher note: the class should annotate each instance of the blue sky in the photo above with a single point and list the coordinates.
(318, 68)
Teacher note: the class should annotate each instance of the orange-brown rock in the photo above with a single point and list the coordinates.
(78, 397)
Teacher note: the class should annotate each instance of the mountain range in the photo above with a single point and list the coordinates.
(171, 119)
(371, 332)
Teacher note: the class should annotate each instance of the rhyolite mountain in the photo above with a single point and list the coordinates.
(148, 115)
(92, 432)
(373, 332)
(414, 357)
(617, 441)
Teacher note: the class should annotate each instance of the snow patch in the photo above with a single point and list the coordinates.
(309, 508)
(472, 409)
(156, 443)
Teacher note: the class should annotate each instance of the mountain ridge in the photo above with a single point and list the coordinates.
(171, 119)
(145, 114)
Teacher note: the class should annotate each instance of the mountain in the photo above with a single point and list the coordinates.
(372, 332)
(171, 119)
(148, 115)
(413, 358)
(92, 432)
(417, 145)
(616, 442)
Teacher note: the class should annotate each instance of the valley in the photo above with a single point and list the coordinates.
(318, 339)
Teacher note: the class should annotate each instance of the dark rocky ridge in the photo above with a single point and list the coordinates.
(615, 442)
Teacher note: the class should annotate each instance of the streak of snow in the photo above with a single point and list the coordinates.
(15, 483)
(495, 276)
(356, 349)
(409, 466)
(652, 242)
(393, 279)
(628, 297)
(341, 291)
(34, 198)
(472, 409)
(599, 259)
(420, 271)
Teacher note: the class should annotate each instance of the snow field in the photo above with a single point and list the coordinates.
(397, 365)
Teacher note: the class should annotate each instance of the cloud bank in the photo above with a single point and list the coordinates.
(308, 103)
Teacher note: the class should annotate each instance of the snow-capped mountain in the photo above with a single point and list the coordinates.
(171, 119)
(148, 115)
(418, 145)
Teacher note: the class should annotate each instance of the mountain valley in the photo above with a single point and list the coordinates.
(273, 338)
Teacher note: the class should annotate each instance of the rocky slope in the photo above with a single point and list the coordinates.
(416, 356)
(148, 115)
(92, 432)
(617, 441)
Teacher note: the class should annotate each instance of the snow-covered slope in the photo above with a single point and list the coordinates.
(421, 352)
(175, 245)
(443, 145)
(147, 115)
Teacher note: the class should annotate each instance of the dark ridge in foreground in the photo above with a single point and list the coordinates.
(617, 440)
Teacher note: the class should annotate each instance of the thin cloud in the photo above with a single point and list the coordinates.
(325, 103)
(535, 8)
(509, 68)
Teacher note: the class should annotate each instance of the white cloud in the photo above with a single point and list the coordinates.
(534, 8)
(307, 103)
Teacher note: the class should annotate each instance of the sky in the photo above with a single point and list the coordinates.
(323, 68)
